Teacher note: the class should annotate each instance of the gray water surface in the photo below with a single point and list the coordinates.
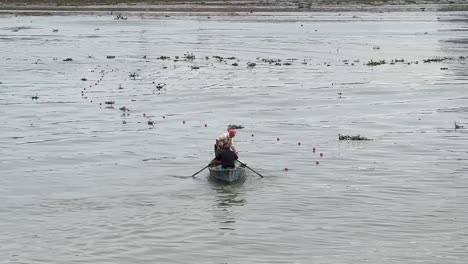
(85, 183)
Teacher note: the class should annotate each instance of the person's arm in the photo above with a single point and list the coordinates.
(217, 160)
(233, 147)
(219, 141)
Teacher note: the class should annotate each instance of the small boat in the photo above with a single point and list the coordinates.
(227, 175)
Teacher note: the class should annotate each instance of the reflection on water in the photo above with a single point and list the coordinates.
(228, 193)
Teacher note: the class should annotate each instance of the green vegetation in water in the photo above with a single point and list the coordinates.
(458, 126)
(133, 75)
(375, 63)
(347, 137)
(235, 127)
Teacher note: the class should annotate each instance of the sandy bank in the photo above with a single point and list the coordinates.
(75, 6)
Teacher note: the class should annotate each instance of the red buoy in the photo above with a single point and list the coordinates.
(285, 169)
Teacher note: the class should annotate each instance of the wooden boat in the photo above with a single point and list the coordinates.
(227, 175)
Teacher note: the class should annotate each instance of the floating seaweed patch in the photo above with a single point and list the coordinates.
(109, 102)
(375, 63)
(347, 137)
(84, 79)
(219, 58)
(251, 64)
(164, 57)
(68, 59)
(271, 61)
(232, 126)
(458, 126)
(159, 86)
(120, 16)
(110, 57)
(437, 59)
(189, 56)
(133, 75)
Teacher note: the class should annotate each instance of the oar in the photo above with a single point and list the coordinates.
(250, 168)
(200, 170)
(209, 164)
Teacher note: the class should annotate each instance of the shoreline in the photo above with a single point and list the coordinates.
(40, 7)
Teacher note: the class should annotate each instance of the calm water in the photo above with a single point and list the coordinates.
(85, 183)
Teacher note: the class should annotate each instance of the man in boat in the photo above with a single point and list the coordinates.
(226, 158)
(226, 141)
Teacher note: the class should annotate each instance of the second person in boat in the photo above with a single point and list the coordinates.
(226, 158)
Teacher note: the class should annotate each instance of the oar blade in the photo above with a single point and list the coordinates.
(245, 165)
(193, 176)
(209, 164)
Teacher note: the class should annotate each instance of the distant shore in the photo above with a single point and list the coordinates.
(71, 6)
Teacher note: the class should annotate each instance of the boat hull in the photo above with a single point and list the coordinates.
(227, 175)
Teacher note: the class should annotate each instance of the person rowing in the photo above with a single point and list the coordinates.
(226, 158)
(226, 140)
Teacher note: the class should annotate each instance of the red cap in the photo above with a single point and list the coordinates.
(232, 133)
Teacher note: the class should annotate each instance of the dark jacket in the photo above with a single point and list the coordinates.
(227, 157)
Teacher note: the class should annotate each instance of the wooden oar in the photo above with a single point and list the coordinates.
(250, 168)
(200, 170)
(209, 164)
